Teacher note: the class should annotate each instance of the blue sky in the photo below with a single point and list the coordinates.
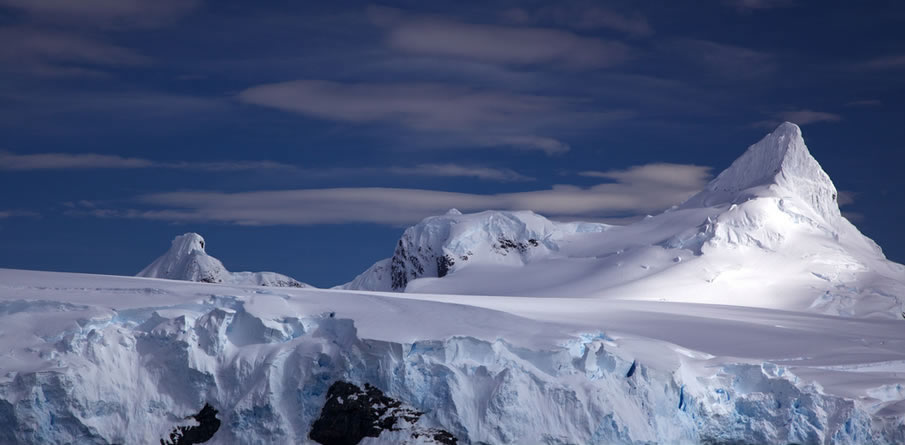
(302, 137)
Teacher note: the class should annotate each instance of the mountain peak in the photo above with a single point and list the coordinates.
(187, 260)
(781, 159)
(187, 243)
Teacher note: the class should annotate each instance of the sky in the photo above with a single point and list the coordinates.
(303, 137)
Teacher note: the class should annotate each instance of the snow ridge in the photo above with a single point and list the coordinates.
(440, 245)
(188, 261)
(780, 160)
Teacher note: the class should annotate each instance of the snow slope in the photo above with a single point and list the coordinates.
(100, 359)
(766, 232)
(187, 260)
(440, 245)
(754, 313)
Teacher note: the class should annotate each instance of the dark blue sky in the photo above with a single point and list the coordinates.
(302, 137)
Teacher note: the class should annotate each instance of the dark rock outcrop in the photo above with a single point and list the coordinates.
(208, 424)
(351, 413)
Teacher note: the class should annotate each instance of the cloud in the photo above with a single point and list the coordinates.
(885, 63)
(728, 61)
(5, 214)
(60, 161)
(448, 113)
(800, 117)
(804, 117)
(66, 161)
(681, 176)
(865, 103)
(456, 170)
(752, 5)
(584, 16)
(636, 190)
(845, 198)
(495, 43)
(60, 54)
(116, 14)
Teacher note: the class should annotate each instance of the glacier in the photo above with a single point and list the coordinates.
(127, 359)
(752, 313)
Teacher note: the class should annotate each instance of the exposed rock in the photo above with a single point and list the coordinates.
(208, 424)
(350, 414)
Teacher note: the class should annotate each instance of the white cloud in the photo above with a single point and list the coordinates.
(51, 161)
(60, 161)
(804, 117)
(495, 43)
(885, 63)
(682, 176)
(106, 13)
(446, 113)
(732, 63)
(638, 190)
(800, 117)
(4, 214)
(49, 53)
(456, 170)
(583, 16)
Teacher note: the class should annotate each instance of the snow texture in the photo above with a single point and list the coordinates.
(765, 232)
(754, 313)
(187, 260)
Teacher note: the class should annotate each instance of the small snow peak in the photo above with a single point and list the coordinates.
(188, 242)
(788, 129)
(453, 211)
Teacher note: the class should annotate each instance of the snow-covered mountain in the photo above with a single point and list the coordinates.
(765, 232)
(187, 260)
(440, 245)
(547, 333)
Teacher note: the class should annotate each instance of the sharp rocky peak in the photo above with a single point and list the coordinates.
(781, 159)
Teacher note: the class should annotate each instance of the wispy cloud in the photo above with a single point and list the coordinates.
(865, 103)
(74, 161)
(582, 16)
(105, 13)
(756, 5)
(634, 191)
(84, 161)
(427, 35)
(730, 62)
(482, 118)
(888, 62)
(804, 117)
(682, 176)
(456, 170)
(845, 198)
(47, 53)
(800, 117)
(4, 214)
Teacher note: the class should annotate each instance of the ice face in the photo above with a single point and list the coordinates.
(131, 378)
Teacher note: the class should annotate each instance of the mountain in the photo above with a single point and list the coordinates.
(187, 260)
(766, 232)
(441, 245)
(752, 314)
